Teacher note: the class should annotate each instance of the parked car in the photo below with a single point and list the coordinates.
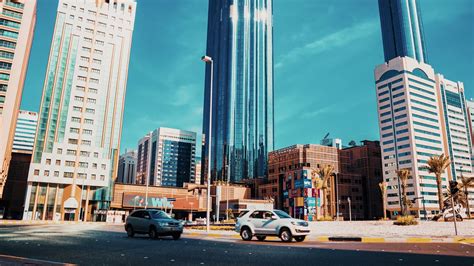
(154, 223)
(263, 223)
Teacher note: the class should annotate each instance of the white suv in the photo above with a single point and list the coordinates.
(263, 223)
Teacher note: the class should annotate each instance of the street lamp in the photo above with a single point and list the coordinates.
(337, 198)
(208, 59)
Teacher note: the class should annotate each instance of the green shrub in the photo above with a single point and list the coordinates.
(406, 220)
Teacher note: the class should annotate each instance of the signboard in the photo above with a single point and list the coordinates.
(299, 183)
(305, 174)
(310, 202)
(137, 200)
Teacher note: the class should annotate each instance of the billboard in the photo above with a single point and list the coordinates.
(137, 200)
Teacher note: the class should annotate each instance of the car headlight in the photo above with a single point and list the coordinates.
(162, 224)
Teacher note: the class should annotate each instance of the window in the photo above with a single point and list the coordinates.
(99, 52)
(56, 173)
(102, 177)
(95, 71)
(89, 121)
(77, 108)
(86, 49)
(60, 151)
(87, 132)
(98, 42)
(89, 40)
(100, 33)
(68, 174)
(97, 61)
(74, 130)
(79, 98)
(48, 161)
(90, 111)
(70, 163)
(91, 100)
(83, 164)
(86, 142)
(94, 165)
(81, 78)
(85, 153)
(93, 177)
(103, 166)
(88, 30)
(72, 141)
(81, 88)
(76, 119)
(94, 80)
(96, 155)
(46, 172)
(91, 90)
(71, 152)
(58, 162)
(37, 172)
(83, 68)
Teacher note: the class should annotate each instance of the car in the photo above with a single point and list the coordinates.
(154, 223)
(263, 223)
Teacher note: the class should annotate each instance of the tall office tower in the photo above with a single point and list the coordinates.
(240, 42)
(402, 30)
(411, 130)
(15, 186)
(127, 167)
(80, 120)
(197, 171)
(17, 23)
(166, 157)
(25, 132)
(143, 159)
(470, 113)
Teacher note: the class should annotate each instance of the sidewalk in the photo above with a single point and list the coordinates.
(376, 232)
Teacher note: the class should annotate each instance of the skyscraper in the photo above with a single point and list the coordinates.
(240, 42)
(421, 114)
(127, 167)
(166, 157)
(80, 119)
(17, 23)
(25, 132)
(402, 30)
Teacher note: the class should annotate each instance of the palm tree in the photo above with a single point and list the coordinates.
(436, 165)
(403, 175)
(383, 190)
(467, 182)
(324, 174)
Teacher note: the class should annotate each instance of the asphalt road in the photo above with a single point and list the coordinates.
(99, 245)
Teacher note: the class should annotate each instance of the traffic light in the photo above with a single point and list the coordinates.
(453, 187)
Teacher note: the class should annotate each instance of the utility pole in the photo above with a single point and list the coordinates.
(350, 208)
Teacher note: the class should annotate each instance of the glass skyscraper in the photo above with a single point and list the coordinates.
(239, 39)
(402, 30)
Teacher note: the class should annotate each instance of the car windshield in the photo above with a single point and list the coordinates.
(159, 215)
(282, 214)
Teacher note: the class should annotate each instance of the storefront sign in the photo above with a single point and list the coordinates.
(137, 200)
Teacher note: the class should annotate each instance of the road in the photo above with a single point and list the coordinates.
(109, 245)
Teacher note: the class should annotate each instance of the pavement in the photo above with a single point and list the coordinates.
(102, 244)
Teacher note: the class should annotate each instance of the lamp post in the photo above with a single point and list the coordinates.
(208, 59)
(350, 208)
(227, 194)
(337, 199)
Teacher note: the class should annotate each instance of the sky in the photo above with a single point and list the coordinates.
(325, 53)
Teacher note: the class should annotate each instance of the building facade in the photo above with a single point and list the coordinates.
(127, 168)
(166, 157)
(13, 198)
(470, 113)
(25, 132)
(421, 114)
(240, 42)
(197, 171)
(77, 147)
(402, 30)
(286, 165)
(17, 24)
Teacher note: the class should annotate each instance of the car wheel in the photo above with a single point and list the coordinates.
(130, 232)
(176, 236)
(285, 235)
(261, 238)
(246, 234)
(152, 233)
(299, 238)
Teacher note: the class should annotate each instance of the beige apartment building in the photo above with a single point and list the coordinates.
(17, 23)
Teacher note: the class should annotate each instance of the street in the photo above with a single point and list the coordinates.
(100, 244)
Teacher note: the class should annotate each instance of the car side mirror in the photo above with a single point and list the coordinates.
(146, 217)
(274, 217)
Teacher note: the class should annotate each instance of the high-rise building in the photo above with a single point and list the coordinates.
(197, 171)
(470, 113)
(16, 184)
(402, 30)
(240, 42)
(127, 167)
(410, 129)
(25, 132)
(77, 147)
(421, 114)
(17, 24)
(166, 157)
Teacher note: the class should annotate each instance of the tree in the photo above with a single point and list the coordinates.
(352, 143)
(324, 174)
(436, 165)
(467, 182)
(403, 175)
(383, 190)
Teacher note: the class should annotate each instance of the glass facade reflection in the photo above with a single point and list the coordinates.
(240, 41)
(402, 29)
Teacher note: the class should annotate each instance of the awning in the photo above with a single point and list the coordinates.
(71, 203)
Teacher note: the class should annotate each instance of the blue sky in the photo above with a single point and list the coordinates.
(325, 53)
